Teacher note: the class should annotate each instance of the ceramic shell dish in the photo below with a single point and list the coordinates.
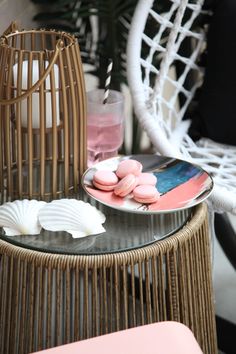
(21, 217)
(78, 218)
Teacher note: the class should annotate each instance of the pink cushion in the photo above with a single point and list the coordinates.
(157, 338)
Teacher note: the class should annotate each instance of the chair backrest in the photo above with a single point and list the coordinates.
(162, 53)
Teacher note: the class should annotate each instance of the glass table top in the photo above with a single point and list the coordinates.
(124, 231)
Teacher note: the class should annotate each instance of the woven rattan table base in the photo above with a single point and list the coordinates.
(49, 299)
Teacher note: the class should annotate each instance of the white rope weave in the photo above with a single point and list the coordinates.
(162, 117)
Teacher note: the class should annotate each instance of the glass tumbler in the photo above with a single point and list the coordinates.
(105, 125)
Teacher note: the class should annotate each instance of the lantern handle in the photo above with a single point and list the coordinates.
(5, 102)
(12, 28)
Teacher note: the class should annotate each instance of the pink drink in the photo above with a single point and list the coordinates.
(103, 140)
(105, 125)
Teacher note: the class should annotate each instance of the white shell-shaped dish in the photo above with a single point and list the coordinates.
(21, 217)
(78, 218)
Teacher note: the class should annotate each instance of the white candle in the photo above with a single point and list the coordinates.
(35, 95)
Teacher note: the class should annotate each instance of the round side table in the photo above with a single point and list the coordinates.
(70, 291)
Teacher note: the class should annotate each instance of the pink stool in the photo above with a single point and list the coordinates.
(158, 338)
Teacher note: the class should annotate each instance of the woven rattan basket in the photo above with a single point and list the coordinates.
(42, 114)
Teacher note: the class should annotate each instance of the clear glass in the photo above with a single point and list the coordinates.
(124, 231)
(105, 125)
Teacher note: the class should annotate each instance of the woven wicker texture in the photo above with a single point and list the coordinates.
(50, 299)
(42, 115)
(150, 69)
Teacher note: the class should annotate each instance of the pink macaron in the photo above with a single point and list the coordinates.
(105, 180)
(147, 178)
(127, 167)
(126, 185)
(146, 194)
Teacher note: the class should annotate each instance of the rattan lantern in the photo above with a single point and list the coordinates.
(42, 115)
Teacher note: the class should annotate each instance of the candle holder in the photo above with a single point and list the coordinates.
(42, 115)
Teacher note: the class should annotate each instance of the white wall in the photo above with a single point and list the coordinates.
(20, 10)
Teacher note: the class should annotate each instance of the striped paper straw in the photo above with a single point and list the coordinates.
(108, 81)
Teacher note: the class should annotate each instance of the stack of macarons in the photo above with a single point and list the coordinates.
(128, 179)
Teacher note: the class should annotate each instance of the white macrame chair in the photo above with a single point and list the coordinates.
(161, 118)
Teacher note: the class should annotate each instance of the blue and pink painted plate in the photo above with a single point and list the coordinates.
(181, 184)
